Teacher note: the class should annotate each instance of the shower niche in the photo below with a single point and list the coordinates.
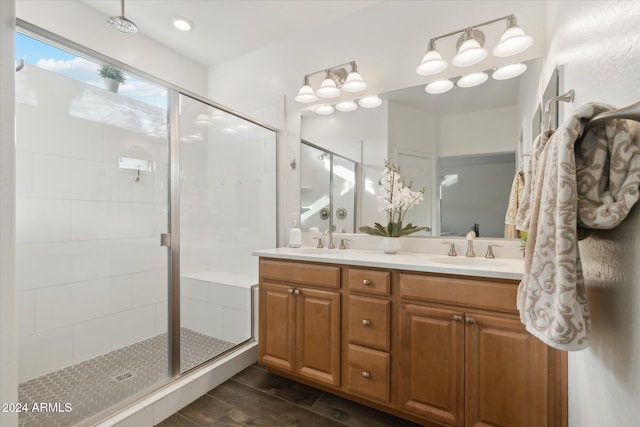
(327, 190)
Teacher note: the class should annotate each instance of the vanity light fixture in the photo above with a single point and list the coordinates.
(513, 40)
(306, 93)
(509, 71)
(328, 88)
(470, 48)
(432, 62)
(335, 82)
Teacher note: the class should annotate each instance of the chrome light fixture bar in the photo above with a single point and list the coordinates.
(470, 48)
(336, 80)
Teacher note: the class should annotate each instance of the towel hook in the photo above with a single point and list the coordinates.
(568, 96)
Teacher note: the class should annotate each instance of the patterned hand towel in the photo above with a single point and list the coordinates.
(517, 187)
(579, 178)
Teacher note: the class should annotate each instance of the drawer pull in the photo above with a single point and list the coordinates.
(367, 282)
(366, 374)
(290, 290)
(457, 318)
(296, 292)
(366, 322)
(471, 320)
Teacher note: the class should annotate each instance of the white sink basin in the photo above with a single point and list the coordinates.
(469, 262)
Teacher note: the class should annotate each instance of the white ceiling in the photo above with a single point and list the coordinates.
(227, 28)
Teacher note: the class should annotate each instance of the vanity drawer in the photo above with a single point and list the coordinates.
(369, 281)
(368, 373)
(369, 322)
(324, 276)
(489, 294)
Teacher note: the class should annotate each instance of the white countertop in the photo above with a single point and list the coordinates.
(499, 268)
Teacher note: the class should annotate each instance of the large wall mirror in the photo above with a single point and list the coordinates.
(464, 147)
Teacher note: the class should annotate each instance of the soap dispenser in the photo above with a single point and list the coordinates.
(295, 234)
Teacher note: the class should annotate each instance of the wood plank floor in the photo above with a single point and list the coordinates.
(256, 397)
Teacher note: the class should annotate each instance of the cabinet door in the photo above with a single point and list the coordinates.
(318, 335)
(277, 326)
(432, 363)
(506, 373)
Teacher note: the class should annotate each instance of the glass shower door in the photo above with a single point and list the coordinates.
(91, 202)
(227, 186)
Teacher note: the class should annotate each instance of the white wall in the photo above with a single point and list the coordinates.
(90, 273)
(599, 44)
(81, 24)
(480, 132)
(8, 310)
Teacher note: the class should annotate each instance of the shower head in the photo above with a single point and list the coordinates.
(121, 23)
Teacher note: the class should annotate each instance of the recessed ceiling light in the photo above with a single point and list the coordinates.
(182, 24)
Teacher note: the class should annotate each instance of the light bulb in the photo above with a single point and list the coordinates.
(370, 101)
(473, 79)
(439, 86)
(509, 71)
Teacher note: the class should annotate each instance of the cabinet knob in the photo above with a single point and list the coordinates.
(457, 318)
(366, 374)
(366, 322)
(471, 320)
(367, 282)
(290, 290)
(296, 291)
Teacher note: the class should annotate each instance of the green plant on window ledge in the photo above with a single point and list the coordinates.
(109, 72)
(396, 201)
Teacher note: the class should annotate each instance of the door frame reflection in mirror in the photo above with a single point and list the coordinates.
(346, 224)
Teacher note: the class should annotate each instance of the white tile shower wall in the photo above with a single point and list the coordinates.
(91, 275)
(220, 310)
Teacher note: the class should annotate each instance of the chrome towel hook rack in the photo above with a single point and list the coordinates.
(630, 112)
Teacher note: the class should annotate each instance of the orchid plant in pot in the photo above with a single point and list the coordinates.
(396, 201)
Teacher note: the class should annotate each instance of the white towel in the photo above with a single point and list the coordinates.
(576, 181)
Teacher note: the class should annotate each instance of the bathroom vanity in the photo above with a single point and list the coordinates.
(435, 340)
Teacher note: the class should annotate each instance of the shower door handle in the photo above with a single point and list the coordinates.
(165, 239)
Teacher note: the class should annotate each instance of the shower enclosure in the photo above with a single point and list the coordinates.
(137, 212)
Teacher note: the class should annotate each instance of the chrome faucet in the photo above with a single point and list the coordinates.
(329, 233)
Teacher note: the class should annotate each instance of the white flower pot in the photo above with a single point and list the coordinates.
(112, 85)
(391, 245)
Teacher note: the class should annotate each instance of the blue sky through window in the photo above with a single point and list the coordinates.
(54, 59)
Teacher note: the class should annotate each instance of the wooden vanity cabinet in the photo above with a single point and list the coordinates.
(441, 350)
(299, 321)
(467, 360)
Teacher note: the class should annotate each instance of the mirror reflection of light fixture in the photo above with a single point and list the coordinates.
(473, 79)
(513, 40)
(432, 62)
(323, 109)
(370, 101)
(203, 120)
(346, 106)
(439, 86)
(509, 71)
(470, 48)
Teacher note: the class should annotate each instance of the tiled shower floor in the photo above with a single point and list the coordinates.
(92, 386)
